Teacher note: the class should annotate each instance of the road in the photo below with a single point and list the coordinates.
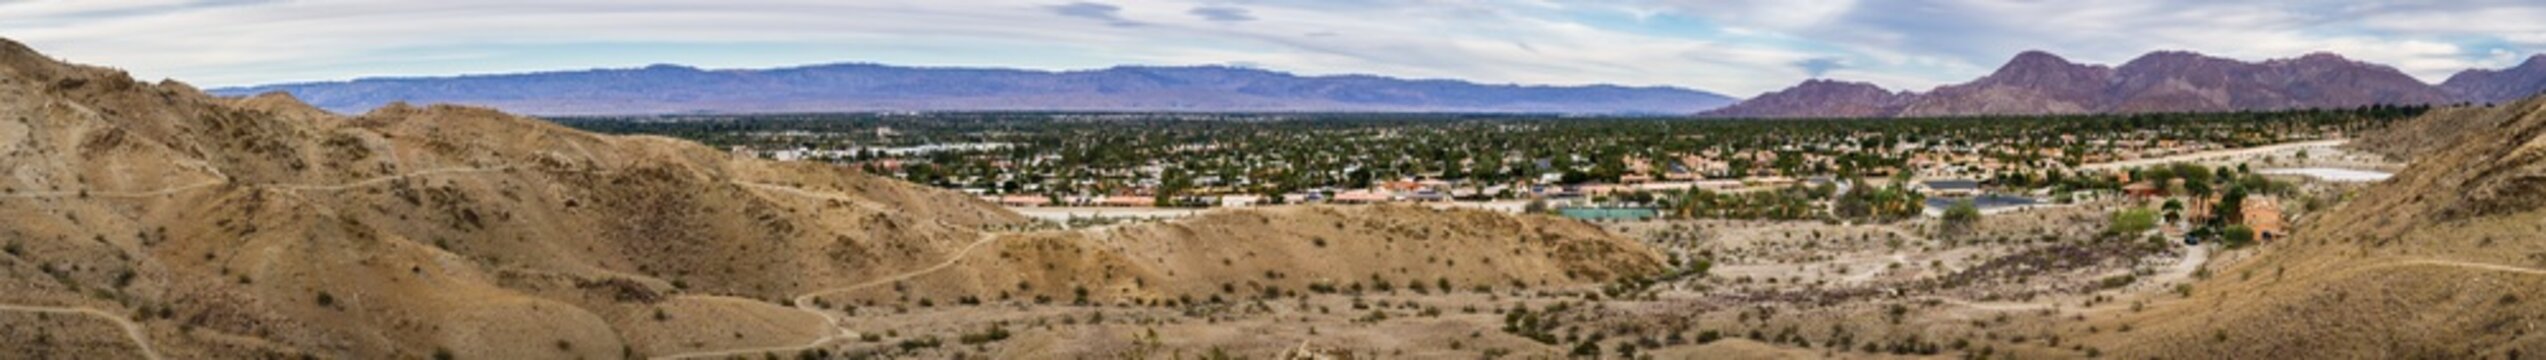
(124, 194)
(2212, 154)
(131, 330)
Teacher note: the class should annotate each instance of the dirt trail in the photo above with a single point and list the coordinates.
(388, 178)
(373, 181)
(131, 330)
(835, 331)
(123, 194)
(790, 190)
(2192, 262)
(1994, 306)
(2466, 264)
(134, 330)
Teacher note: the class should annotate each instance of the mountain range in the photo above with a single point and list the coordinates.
(665, 89)
(2500, 86)
(2040, 83)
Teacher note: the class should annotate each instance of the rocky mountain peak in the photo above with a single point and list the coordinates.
(2037, 82)
(2502, 85)
(2035, 60)
(1820, 98)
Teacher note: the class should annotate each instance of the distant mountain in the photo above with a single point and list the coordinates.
(2033, 83)
(665, 89)
(1820, 98)
(2036, 83)
(2500, 86)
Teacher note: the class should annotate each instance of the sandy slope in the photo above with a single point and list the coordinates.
(2443, 261)
(259, 227)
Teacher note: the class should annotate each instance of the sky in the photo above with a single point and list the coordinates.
(1736, 47)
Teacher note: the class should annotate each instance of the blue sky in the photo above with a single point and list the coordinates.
(1738, 47)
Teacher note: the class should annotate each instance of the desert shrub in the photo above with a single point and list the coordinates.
(2237, 236)
(1960, 216)
(2132, 221)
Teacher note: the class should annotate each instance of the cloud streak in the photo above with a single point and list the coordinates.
(1226, 14)
(1110, 14)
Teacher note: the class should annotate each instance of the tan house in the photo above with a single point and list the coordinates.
(2263, 214)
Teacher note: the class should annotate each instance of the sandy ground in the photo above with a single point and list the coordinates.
(2332, 174)
(2227, 155)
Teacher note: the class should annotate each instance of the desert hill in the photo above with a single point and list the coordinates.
(1822, 98)
(156, 220)
(2447, 260)
(2443, 128)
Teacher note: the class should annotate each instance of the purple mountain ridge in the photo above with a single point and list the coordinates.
(673, 89)
(2039, 83)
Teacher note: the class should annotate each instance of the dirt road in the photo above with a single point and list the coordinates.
(131, 330)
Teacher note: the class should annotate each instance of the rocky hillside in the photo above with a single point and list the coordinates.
(2446, 260)
(2500, 86)
(671, 89)
(2033, 83)
(154, 220)
(2041, 83)
(1820, 99)
(2440, 130)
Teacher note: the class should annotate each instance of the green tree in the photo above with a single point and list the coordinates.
(2231, 207)
(2174, 209)
(2237, 236)
(2132, 222)
(1960, 216)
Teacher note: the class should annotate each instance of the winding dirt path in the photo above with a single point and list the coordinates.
(835, 332)
(2466, 264)
(790, 190)
(368, 182)
(377, 180)
(119, 194)
(131, 330)
(2199, 255)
